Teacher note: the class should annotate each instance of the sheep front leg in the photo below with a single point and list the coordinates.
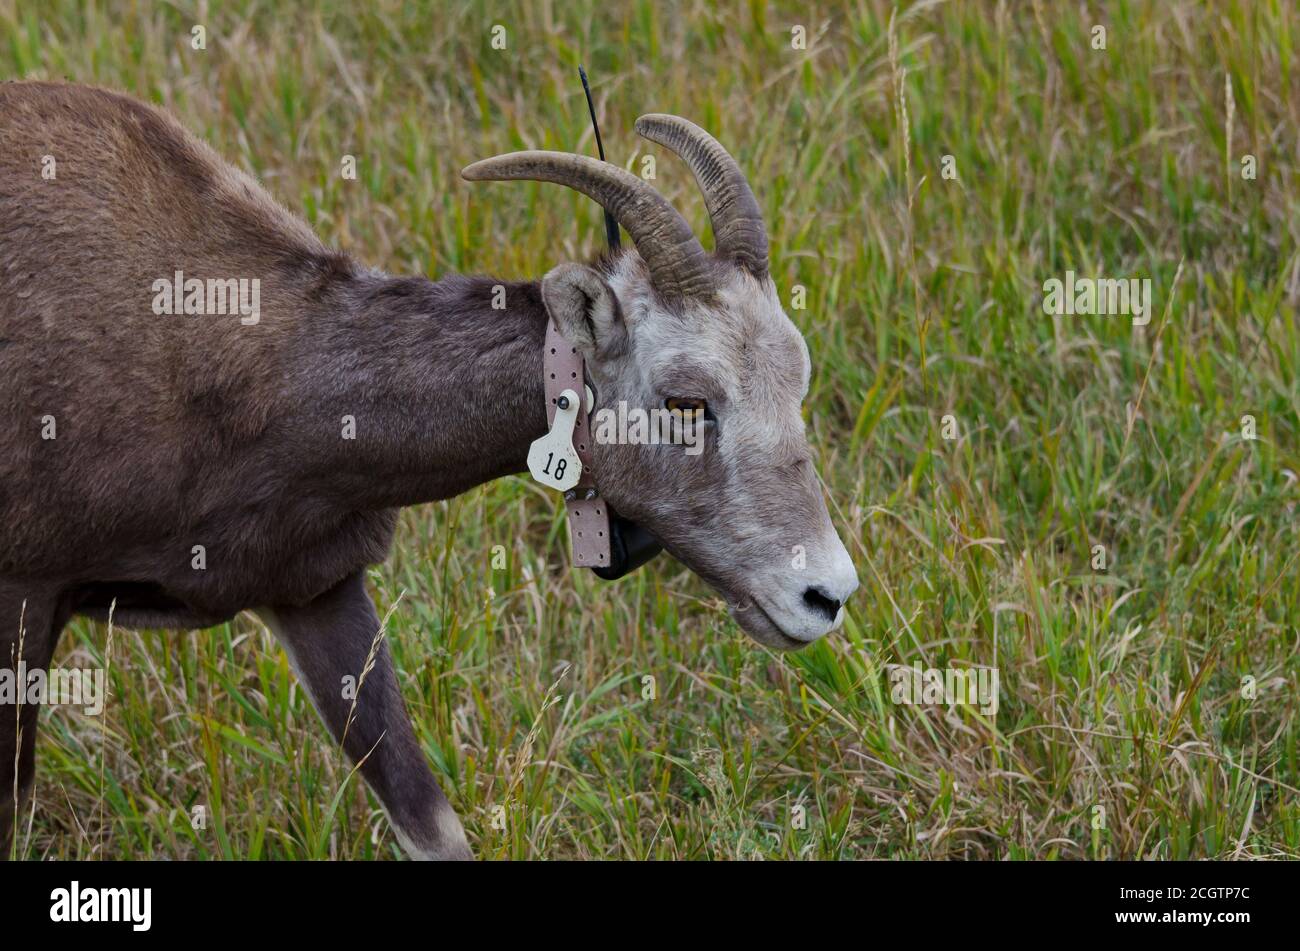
(331, 639)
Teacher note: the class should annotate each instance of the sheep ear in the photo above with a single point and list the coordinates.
(585, 309)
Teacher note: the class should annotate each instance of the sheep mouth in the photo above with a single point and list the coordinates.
(752, 617)
(758, 624)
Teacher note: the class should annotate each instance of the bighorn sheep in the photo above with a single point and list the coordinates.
(128, 439)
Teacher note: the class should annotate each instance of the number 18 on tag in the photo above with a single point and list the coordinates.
(552, 460)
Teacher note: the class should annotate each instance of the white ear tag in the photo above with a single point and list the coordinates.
(552, 459)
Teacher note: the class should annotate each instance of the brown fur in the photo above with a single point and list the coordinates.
(175, 431)
(178, 431)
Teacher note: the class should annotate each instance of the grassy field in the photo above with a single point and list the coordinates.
(1125, 728)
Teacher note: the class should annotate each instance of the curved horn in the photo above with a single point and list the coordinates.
(678, 265)
(738, 231)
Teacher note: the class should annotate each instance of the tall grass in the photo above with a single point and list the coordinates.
(1123, 729)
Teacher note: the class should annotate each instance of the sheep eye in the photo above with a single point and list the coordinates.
(689, 408)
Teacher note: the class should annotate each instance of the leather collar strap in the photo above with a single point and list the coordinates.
(589, 531)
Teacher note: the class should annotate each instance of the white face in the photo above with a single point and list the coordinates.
(746, 512)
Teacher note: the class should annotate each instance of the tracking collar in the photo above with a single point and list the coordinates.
(600, 538)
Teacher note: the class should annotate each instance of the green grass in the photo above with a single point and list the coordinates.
(1120, 688)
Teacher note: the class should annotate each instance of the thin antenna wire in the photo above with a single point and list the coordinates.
(611, 226)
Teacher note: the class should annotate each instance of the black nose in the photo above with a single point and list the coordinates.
(821, 604)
